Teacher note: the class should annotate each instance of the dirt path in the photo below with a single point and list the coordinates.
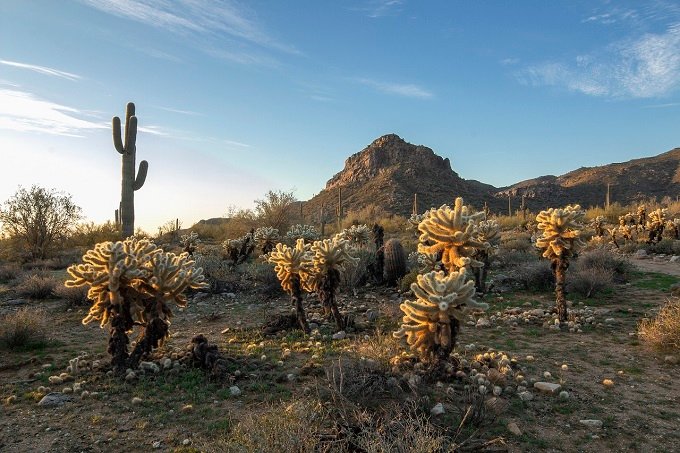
(663, 267)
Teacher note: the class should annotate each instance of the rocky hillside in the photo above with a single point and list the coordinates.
(387, 174)
(638, 179)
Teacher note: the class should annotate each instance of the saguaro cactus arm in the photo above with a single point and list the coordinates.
(141, 175)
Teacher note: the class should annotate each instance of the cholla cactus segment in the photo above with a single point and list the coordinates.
(307, 232)
(190, 240)
(356, 235)
(657, 218)
(561, 230)
(451, 232)
(415, 220)
(428, 262)
(488, 231)
(331, 254)
(132, 271)
(440, 299)
(266, 234)
(291, 261)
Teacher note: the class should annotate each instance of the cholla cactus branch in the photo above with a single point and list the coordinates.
(451, 232)
(487, 231)
(560, 240)
(431, 323)
(131, 282)
(266, 238)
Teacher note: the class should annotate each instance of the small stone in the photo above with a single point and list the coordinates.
(186, 442)
(526, 396)
(55, 380)
(234, 390)
(54, 399)
(564, 395)
(339, 335)
(149, 366)
(514, 429)
(483, 322)
(610, 321)
(591, 423)
(290, 377)
(167, 363)
(438, 409)
(671, 359)
(187, 408)
(85, 394)
(156, 444)
(565, 367)
(547, 387)
(529, 358)
(131, 376)
(136, 400)
(608, 383)
(547, 375)
(67, 390)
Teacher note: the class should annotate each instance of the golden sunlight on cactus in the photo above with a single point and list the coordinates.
(131, 282)
(291, 261)
(560, 229)
(451, 232)
(431, 322)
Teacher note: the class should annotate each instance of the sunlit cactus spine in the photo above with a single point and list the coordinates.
(301, 231)
(560, 241)
(189, 242)
(330, 259)
(293, 266)
(130, 183)
(266, 238)
(431, 323)
(357, 235)
(598, 225)
(451, 233)
(656, 222)
(674, 227)
(132, 283)
(642, 216)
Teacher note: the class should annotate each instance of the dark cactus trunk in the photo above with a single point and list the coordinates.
(155, 332)
(297, 301)
(481, 272)
(560, 266)
(118, 344)
(447, 331)
(327, 289)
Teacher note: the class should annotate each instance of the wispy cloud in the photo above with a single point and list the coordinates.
(399, 89)
(509, 61)
(24, 112)
(381, 8)
(645, 67)
(612, 17)
(212, 23)
(662, 106)
(180, 111)
(42, 70)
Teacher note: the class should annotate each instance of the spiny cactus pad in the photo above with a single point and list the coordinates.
(440, 298)
(452, 232)
(561, 230)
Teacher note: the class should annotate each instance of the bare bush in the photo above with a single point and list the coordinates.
(663, 331)
(74, 296)
(39, 285)
(23, 328)
(587, 281)
(264, 278)
(9, 272)
(601, 258)
(358, 274)
(535, 276)
(363, 382)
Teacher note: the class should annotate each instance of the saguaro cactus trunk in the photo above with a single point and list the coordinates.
(130, 183)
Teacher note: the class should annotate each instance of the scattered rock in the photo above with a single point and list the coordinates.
(186, 442)
(564, 395)
(514, 429)
(642, 253)
(187, 408)
(483, 322)
(234, 390)
(340, 335)
(54, 399)
(671, 359)
(136, 400)
(55, 380)
(608, 383)
(149, 366)
(526, 396)
(156, 444)
(438, 409)
(591, 423)
(131, 376)
(547, 387)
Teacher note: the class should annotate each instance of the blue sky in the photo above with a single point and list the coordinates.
(236, 98)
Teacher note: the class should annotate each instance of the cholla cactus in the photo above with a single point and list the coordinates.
(190, 242)
(293, 268)
(674, 227)
(266, 238)
(451, 232)
(431, 323)
(486, 232)
(131, 283)
(642, 216)
(598, 224)
(656, 222)
(356, 235)
(560, 241)
(414, 221)
(331, 256)
(241, 248)
(307, 232)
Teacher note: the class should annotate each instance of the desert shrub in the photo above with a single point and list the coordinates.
(666, 246)
(74, 296)
(518, 241)
(23, 328)
(218, 272)
(588, 281)
(364, 383)
(9, 272)
(663, 331)
(263, 276)
(38, 285)
(88, 234)
(404, 283)
(358, 274)
(534, 276)
(601, 258)
(508, 259)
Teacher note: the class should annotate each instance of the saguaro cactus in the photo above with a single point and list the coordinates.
(130, 183)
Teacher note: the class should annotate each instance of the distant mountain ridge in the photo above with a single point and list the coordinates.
(389, 171)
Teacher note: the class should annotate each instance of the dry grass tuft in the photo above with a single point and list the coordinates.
(23, 328)
(75, 296)
(9, 272)
(37, 286)
(663, 331)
